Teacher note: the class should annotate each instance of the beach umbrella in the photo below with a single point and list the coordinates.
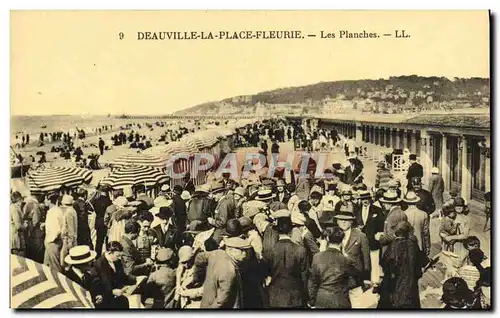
(34, 285)
(141, 159)
(50, 179)
(134, 175)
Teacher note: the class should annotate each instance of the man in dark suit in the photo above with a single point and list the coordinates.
(100, 203)
(110, 278)
(355, 247)
(282, 195)
(166, 233)
(353, 171)
(288, 268)
(133, 263)
(370, 220)
(80, 259)
(328, 283)
(426, 202)
(414, 170)
(179, 207)
(83, 229)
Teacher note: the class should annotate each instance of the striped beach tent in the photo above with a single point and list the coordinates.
(50, 179)
(37, 286)
(141, 159)
(134, 175)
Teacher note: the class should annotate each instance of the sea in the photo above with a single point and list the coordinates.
(34, 125)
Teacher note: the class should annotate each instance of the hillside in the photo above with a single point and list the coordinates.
(394, 95)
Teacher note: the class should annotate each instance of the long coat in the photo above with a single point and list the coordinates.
(436, 188)
(392, 219)
(222, 287)
(328, 283)
(419, 220)
(288, 268)
(351, 174)
(402, 267)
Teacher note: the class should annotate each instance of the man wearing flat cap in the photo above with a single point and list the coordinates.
(222, 285)
(414, 170)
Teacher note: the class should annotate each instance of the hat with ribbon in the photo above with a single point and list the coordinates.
(345, 213)
(239, 191)
(202, 189)
(411, 197)
(264, 195)
(185, 195)
(80, 255)
(217, 187)
(165, 188)
(390, 197)
(364, 195)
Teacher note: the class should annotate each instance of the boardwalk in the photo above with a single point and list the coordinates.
(430, 283)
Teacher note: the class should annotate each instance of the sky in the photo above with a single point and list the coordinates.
(73, 62)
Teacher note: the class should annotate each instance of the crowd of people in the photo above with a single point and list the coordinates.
(259, 242)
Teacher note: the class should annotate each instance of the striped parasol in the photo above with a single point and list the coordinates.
(53, 178)
(37, 286)
(141, 159)
(134, 175)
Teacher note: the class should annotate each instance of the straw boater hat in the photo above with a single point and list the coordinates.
(390, 197)
(411, 197)
(345, 213)
(264, 195)
(165, 188)
(364, 195)
(80, 255)
(121, 202)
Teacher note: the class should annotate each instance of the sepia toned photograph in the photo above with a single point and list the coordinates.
(183, 160)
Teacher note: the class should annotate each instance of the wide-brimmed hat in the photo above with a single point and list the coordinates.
(80, 255)
(390, 197)
(411, 197)
(67, 200)
(121, 202)
(164, 255)
(345, 214)
(239, 191)
(202, 189)
(185, 253)
(316, 189)
(264, 195)
(160, 202)
(164, 213)
(435, 170)
(217, 187)
(282, 213)
(364, 195)
(185, 195)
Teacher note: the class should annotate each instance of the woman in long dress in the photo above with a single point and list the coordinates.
(119, 218)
